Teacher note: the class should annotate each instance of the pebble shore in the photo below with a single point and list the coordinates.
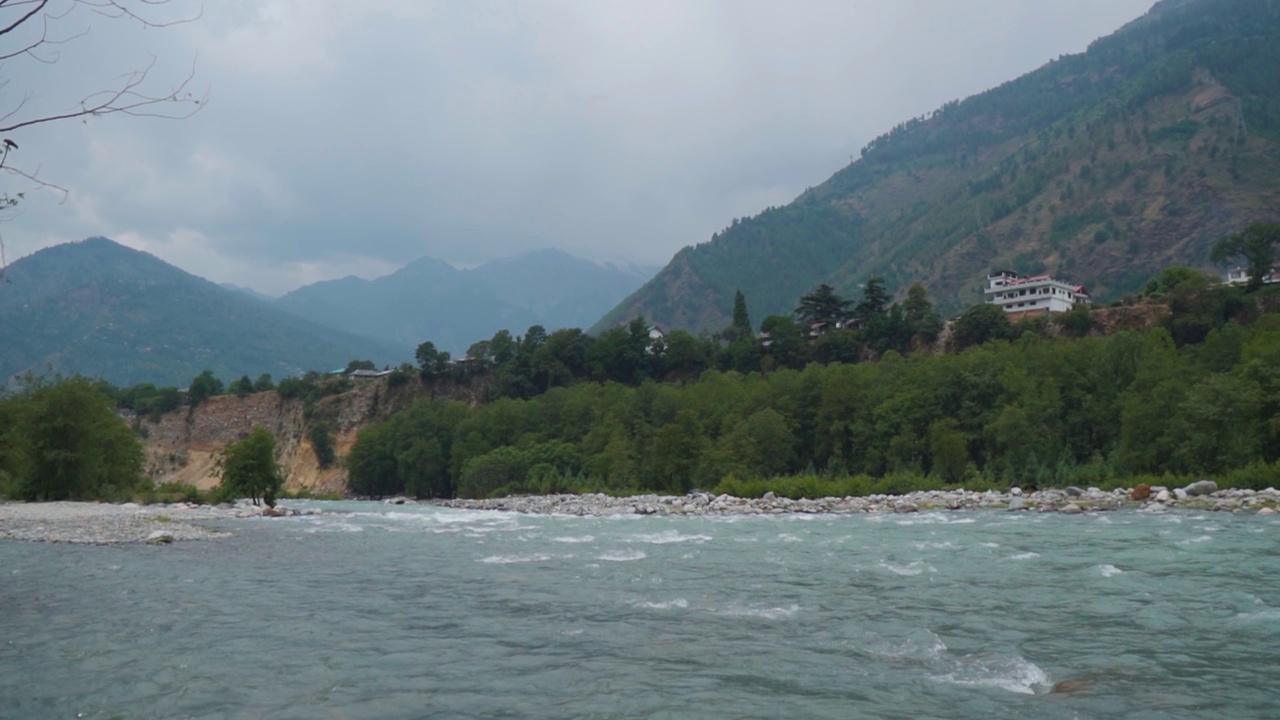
(108, 524)
(1070, 500)
(86, 523)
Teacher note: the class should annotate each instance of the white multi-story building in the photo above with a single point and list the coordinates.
(1032, 295)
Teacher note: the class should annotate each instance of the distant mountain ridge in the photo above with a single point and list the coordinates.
(100, 309)
(429, 299)
(1101, 167)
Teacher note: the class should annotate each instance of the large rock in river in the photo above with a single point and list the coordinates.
(1201, 487)
(1141, 491)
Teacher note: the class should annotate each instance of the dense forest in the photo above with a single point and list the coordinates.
(1102, 167)
(1037, 403)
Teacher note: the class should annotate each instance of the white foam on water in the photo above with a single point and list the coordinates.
(1196, 540)
(924, 645)
(929, 545)
(335, 527)
(622, 555)
(1268, 615)
(575, 539)
(915, 568)
(990, 545)
(766, 613)
(667, 537)
(1015, 675)
(511, 559)
(666, 605)
(789, 538)
(1024, 555)
(1109, 570)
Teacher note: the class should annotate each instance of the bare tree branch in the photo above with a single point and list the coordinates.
(128, 94)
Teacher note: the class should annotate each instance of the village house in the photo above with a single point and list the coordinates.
(1240, 276)
(1032, 295)
(368, 374)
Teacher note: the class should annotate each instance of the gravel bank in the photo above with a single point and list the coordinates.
(1069, 500)
(108, 524)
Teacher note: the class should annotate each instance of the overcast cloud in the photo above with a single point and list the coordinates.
(349, 137)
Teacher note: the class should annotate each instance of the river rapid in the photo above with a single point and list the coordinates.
(375, 611)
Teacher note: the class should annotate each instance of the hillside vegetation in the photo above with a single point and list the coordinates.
(100, 309)
(1102, 167)
(1031, 405)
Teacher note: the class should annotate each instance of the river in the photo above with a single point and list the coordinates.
(377, 611)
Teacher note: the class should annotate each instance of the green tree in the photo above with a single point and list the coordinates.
(979, 324)
(874, 300)
(918, 313)
(822, 305)
(322, 443)
(248, 468)
(432, 362)
(371, 464)
(359, 365)
(949, 454)
(75, 448)
(242, 387)
(741, 325)
(786, 343)
(1257, 245)
(263, 383)
(203, 387)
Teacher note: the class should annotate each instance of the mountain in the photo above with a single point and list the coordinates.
(1102, 167)
(100, 309)
(248, 291)
(430, 299)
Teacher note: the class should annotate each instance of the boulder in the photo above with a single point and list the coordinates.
(1267, 511)
(905, 506)
(1141, 491)
(1072, 509)
(1017, 504)
(769, 497)
(1074, 491)
(160, 537)
(1180, 493)
(1015, 491)
(272, 512)
(1163, 496)
(1201, 487)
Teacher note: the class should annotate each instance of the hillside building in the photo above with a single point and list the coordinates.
(1032, 295)
(1240, 276)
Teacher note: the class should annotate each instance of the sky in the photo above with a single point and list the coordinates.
(342, 137)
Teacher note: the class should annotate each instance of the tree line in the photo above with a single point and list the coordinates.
(65, 440)
(1035, 403)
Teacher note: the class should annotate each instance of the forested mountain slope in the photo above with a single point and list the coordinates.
(103, 310)
(430, 299)
(1103, 167)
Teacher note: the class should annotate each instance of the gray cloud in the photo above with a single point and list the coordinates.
(349, 137)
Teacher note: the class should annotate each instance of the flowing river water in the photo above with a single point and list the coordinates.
(376, 611)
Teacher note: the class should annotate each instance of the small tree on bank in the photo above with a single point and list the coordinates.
(248, 468)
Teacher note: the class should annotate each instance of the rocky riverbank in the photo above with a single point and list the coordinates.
(107, 524)
(1204, 495)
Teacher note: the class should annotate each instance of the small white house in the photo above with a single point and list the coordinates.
(1033, 294)
(1240, 276)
